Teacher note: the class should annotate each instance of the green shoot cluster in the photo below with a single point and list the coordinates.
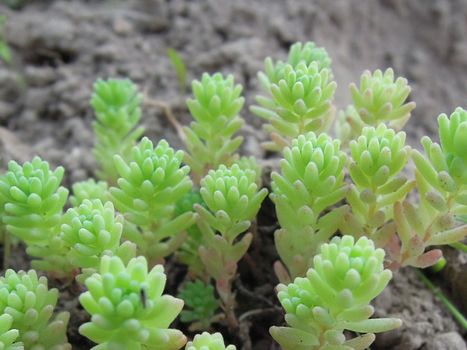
(89, 189)
(378, 157)
(300, 94)
(206, 341)
(379, 99)
(31, 206)
(201, 302)
(442, 184)
(128, 309)
(117, 106)
(335, 296)
(151, 182)
(210, 138)
(233, 199)
(311, 180)
(26, 298)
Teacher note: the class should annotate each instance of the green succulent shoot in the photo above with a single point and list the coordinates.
(300, 102)
(210, 138)
(151, 182)
(335, 296)
(206, 341)
(93, 230)
(310, 181)
(117, 106)
(233, 199)
(201, 303)
(26, 298)
(380, 98)
(300, 94)
(377, 160)
(8, 335)
(89, 189)
(441, 177)
(128, 309)
(32, 201)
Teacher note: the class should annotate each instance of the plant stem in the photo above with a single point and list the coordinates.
(440, 295)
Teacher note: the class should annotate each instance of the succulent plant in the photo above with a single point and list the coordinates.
(210, 138)
(299, 102)
(232, 199)
(379, 99)
(8, 335)
(201, 303)
(32, 202)
(151, 182)
(311, 180)
(89, 189)
(377, 160)
(128, 309)
(333, 297)
(442, 186)
(26, 298)
(116, 104)
(92, 230)
(206, 341)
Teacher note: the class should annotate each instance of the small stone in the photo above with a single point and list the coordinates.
(447, 341)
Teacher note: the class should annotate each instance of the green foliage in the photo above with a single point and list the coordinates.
(379, 99)
(26, 298)
(200, 300)
(206, 341)
(5, 53)
(311, 180)
(151, 182)
(232, 199)
(8, 335)
(32, 201)
(180, 68)
(89, 189)
(300, 95)
(210, 138)
(378, 157)
(117, 105)
(188, 253)
(128, 309)
(333, 297)
(442, 185)
(93, 230)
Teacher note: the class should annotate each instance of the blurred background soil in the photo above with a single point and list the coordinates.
(61, 47)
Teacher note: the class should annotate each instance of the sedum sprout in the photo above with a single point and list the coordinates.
(128, 309)
(201, 303)
(232, 199)
(442, 186)
(26, 298)
(89, 189)
(206, 341)
(92, 230)
(151, 182)
(8, 335)
(378, 158)
(311, 180)
(335, 296)
(32, 202)
(379, 99)
(300, 102)
(117, 105)
(210, 138)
